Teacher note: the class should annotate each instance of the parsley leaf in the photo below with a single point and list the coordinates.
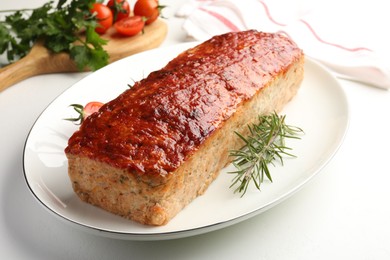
(60, 27)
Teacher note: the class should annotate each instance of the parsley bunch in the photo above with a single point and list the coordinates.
(63, 28)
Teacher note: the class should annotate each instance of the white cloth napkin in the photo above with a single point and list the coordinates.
(319, 34)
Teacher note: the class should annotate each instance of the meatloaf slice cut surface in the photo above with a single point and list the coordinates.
(156, 147)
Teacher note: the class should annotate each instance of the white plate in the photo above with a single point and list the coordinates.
(320, 108)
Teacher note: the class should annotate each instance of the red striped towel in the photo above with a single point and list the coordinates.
(322, 33)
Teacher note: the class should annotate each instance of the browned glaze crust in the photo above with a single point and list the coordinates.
(152, 128)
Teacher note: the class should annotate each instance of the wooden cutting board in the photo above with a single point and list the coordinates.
(41, 61)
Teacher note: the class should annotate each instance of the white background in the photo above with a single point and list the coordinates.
(344, 213)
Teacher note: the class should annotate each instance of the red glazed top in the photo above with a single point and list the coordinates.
(155, 125)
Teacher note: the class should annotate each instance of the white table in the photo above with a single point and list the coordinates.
(344, 213)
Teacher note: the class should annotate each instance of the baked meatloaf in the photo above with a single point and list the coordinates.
(156, 147)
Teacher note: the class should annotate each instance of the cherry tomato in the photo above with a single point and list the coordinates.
(120, 9)
(148, 9)
(104, 17)
(91, 108)
(130, 26)
(85, 111)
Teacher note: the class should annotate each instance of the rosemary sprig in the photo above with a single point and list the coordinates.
(263, 146)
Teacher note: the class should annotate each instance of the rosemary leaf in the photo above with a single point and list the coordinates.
(264, 145)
